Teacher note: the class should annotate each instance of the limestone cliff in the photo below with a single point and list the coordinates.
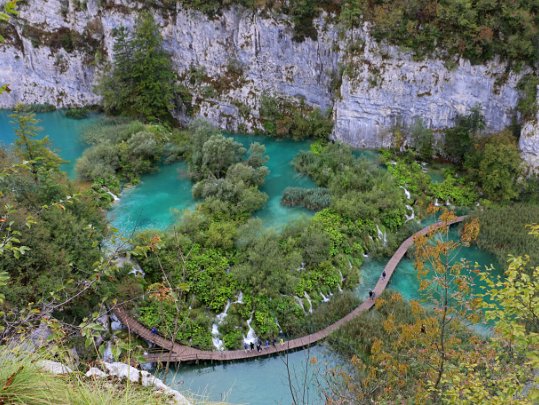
(56, 49)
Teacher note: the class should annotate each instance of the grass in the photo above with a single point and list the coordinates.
(22, 381)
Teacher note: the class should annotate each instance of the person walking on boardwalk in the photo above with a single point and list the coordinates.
(267, 344)
(384, 275)
(154, 330)
(371, 294)
(245, 346)
(281, 341)
(252, 345)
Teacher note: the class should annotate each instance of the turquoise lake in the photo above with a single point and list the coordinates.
(162, 196)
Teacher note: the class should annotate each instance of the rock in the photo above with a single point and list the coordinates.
(54, 367)
(383, 86)
(529, 142)
(95, 372)
(122, 371)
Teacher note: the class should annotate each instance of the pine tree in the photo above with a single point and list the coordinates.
(142, 80)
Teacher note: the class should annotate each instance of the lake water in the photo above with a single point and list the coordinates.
(162, 196)
(64, 134)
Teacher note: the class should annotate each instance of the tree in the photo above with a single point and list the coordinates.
(34, 153)
(459, 139)
(496, 165)
(423, 139)
(142, 80)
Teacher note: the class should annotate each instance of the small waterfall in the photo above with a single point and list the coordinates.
(407, 193)
(251, 335)
(437, 203)
(393, 163)
(324, 298)
(115, 198)
(381, 235)
(278, 325)
(216, 339)
(410, 216)
(447, 203)
(302, 266)
(299, 302)
(365, 255)
(342, 281)
(216, 335)
(309, 301)
(240, 299)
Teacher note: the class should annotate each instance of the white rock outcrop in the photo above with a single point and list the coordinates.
(529, 142)
(54, 367)
(381, 87)
(125, 371)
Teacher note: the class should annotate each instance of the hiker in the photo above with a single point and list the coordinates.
(252, 345)
(154, 330)
(273, 342)
(423, 329)
(384, 275)
(267, 344)
(371, 294)
(281, 341)
(258, 346)
(245, 346)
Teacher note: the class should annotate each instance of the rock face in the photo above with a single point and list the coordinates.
(529, 142)
(55, 52)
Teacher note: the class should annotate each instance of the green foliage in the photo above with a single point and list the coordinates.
(123, 150)
(476, 30)
(141, 83)
(283, 118)
(77, 113)
(527, 103)
(459, 139)
(313, 199)
(503, 231)
(496, 165)
(423, 140)
(360, 191)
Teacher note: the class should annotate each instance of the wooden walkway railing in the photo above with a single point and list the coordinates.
(179, 353)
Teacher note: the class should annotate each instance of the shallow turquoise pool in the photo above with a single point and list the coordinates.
(64, 133)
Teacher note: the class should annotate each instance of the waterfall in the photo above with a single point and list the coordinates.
(278, 325)
(115, 198)
(410, 216)
(447, 203)
(381, 235)
(365, 255)
(216, 335)
(215, 338)
(407, 193)
(300, 302)
(342, 281)
(309, 301)
(436, 203)
(324, 298)
(221, 317)
(240, 299)
(251, 335)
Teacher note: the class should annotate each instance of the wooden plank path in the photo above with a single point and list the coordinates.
(180, 353)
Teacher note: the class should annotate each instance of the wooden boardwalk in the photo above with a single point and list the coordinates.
(179, 353)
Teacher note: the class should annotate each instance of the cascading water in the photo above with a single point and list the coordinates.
(381, 235)
(240, 299)
(407, 193)
(115, 198)
(410, 216)
(299, 302)
(324, 298)
(309, 301)
(342, 281)
(216, 335)
(251, 335)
